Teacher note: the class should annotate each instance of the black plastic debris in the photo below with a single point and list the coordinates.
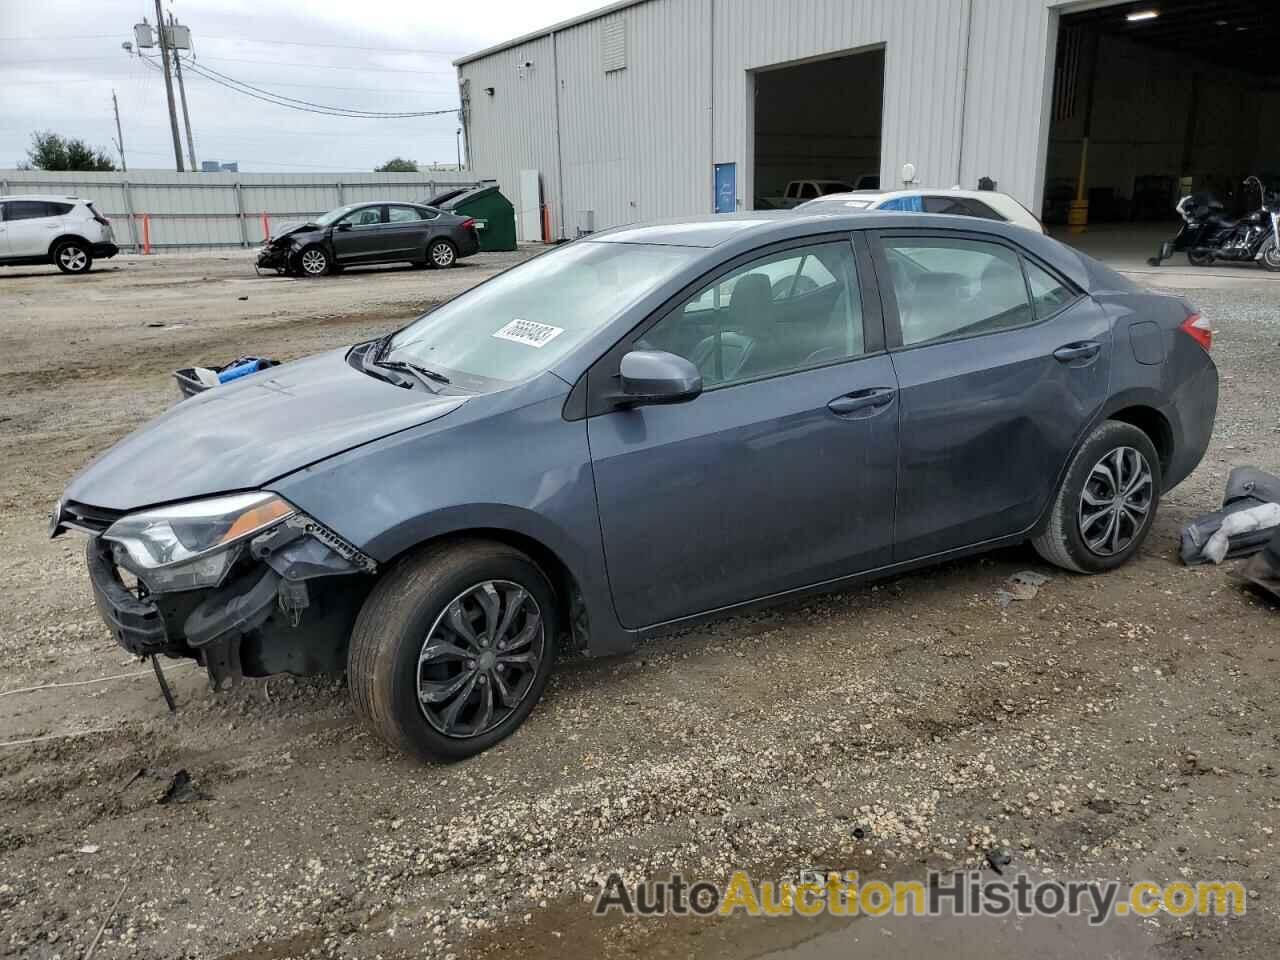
(1249, 492)
(1263, 571)
(998, 858)
(181, 789)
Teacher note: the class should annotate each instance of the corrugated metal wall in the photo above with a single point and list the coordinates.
(514, 127)
(221, 209)
(629, 152)
(641, 142)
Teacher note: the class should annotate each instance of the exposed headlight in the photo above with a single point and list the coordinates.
(185, 546)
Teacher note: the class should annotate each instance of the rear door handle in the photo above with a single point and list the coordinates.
(1085, 350)
(869, 400)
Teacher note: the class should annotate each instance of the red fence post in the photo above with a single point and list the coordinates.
(266, 227)
(146, 233)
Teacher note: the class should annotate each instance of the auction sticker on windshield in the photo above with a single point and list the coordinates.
(529, 332)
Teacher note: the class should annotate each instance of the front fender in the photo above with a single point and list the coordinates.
(507, 462)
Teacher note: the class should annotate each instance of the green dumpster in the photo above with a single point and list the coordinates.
(494, 215)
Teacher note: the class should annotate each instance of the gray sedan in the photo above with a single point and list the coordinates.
(648, 427)
(367, 233)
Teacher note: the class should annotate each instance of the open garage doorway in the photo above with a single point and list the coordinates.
(817, 127)
(1155, 99)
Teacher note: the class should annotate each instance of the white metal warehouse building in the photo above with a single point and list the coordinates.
(654, 108)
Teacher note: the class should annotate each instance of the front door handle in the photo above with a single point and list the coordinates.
(1085, 350)
(869, 401)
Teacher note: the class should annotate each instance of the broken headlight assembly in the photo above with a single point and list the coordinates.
(192, 545)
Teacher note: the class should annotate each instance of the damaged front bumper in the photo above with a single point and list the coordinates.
(274, 256)
(286, 605)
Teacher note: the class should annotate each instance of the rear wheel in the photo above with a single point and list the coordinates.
(453, 648)
(314, 262)
(72, 256)
(441, 253)
(1107, 502)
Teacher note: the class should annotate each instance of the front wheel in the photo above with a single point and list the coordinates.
(453, 648)
(441, 254)
(1271, 256)
(314, 262)
(1107, 502)
(72, 256)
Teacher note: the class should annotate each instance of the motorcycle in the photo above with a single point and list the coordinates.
(1207, 234)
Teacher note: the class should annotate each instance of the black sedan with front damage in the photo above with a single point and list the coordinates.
(367, 233)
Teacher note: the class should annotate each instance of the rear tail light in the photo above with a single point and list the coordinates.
(469, 224)
(1199, 329)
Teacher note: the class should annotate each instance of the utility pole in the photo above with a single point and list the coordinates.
(168, 89)
(458, 141)
(182, 92)
(115, 105)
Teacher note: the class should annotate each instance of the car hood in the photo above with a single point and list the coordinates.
(292, 228)
(249, 432)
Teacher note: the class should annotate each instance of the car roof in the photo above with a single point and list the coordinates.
(874, 195)
(724, 236)
(40, 196)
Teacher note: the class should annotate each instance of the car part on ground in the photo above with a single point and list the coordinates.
(719, 412)
(369, 233)
(1263, 569)
(193, 380)
(65, 231)
(1249, 490)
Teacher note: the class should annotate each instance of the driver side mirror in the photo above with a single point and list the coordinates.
(343, 227)
(655, 376)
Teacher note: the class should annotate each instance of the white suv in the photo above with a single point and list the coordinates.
(66, 231)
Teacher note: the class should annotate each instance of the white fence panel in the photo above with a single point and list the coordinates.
(184, 210)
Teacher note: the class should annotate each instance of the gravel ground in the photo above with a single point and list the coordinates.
(1113, 727)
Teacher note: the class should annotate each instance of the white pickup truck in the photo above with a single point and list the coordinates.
(798, 191)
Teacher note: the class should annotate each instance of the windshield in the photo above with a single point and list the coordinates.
(333, 216)
(521, 322)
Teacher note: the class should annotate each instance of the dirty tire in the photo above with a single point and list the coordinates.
(1270, 259)
(1061, 542)
(441, 254)
(1200, 259)
(393, 625)
(313, 261)
(73, 256)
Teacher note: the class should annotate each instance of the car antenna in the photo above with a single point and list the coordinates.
(164, 686)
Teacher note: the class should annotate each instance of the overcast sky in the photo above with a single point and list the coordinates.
(60, 60)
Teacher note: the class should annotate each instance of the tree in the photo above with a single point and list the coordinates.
(51, 151)
(398, 165)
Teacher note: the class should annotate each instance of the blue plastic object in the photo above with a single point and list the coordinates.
(240, 369)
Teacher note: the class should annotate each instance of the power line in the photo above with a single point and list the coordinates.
(331, 66)
(306, 106)
(337, 46)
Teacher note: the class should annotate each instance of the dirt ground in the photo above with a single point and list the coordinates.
(1114, 727)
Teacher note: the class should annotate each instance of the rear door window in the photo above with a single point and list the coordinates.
(402, 215)
(808, 191)
(31, 209)
(950, 288)
(1048, 293)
